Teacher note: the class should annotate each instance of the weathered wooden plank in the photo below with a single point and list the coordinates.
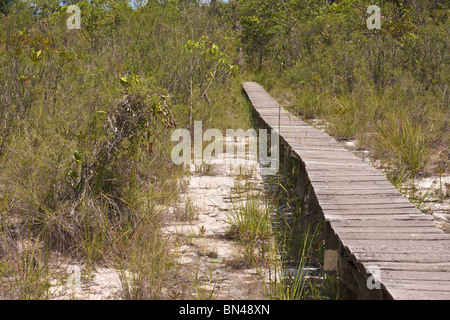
(370, 192)
(387, 229)
(344, 236)
(341, 170)
(336, 165)
(268, 113)
(401, 257)
(353, 178)
(436, 268)
(424, 226)
(345, 197)
(382, 223)
(344, 190)
(298, 142)
(402, 294)
(355, 183)
(421, 285)
(268, 104)
(411, 248)
(318, 148)
(299, 131)
(363, 215)
(305, 142)
(303, 133)
(323, 154)
(347, 187)
(280, 117)
(395, 243)
(351, 174)
(385, 198)
(340, 192)
(337, 156)
(300, 136)
(281, 121)
(373, 205)
(382, 201)
(276, 120)
(361, 205)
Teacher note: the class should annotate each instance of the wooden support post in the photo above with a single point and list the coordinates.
(331, 253)
(302, 182)
(306, 195)
(287, 159)
(354, 277)
(331, 258)
(313, 204)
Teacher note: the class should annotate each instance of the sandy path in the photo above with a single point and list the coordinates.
(207, 255)
(209, 263)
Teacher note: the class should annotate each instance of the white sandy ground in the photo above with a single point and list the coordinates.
(206, 249)
(203, 252)
(434, 190)
(103, 284)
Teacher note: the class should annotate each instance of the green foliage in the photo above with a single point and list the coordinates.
(85, 123)
(293, 283)
(407, 143)
(207, 65)
(360, 82)
(261, 22)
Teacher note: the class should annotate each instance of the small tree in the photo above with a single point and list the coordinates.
(207, 64)
(260, 22)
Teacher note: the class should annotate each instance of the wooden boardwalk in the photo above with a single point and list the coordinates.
(370, 224)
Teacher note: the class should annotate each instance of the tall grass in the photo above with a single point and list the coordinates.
(201, 289)
(290, 280)
(405, 142)
(145, 264)
(250, 225)
(25, 269)
(281, 251)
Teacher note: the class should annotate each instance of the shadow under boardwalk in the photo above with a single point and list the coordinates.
(381, 246)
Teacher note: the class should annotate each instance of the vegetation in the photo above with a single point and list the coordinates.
(86, 115)
(387, 88)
